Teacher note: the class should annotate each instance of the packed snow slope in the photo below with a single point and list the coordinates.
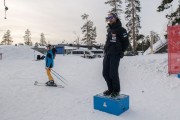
(154, 95)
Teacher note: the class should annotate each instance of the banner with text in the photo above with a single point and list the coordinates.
(174, 49)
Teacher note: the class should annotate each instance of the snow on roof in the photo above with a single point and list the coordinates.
(81, 49)
(42, 47)
(94, 48)
(70, 48)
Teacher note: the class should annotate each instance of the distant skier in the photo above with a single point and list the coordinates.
(49, 65)
(116, 44)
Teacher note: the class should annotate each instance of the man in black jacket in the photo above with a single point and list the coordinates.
(116, 44)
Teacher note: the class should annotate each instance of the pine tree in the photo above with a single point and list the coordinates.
(27, 38)
(174, 17)
(147, 42)
(89, 32)
(140, 42)
(43, 40)
(36, 44)
(116, 6)
(132, 16)
(140, 37)
(7, 39)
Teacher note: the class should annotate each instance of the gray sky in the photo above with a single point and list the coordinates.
(59, 19)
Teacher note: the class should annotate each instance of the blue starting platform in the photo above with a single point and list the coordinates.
(115, 106)
(178, 75)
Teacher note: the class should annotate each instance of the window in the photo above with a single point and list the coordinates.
(86, 52)
(77, 52)
(96, 52)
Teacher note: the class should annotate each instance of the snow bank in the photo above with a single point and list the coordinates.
(17, 52)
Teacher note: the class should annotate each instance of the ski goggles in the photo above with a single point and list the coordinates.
(109, 18)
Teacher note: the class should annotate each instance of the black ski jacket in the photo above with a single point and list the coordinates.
(117, 40)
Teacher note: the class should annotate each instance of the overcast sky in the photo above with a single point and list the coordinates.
(59, 19)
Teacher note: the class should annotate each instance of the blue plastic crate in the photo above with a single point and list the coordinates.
(178, 75)
(115, 106)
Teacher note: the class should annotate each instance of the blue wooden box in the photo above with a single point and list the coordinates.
(115, 106)
(178, 75)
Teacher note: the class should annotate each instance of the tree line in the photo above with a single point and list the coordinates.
(132, 16)
(8, 40)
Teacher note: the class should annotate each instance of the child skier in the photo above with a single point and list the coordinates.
(49, 65)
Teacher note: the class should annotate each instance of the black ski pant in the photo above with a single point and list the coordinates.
(110, 72)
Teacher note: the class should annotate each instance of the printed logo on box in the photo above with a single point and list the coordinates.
(105, 105)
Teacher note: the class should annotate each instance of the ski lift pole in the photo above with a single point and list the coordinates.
(6, 8)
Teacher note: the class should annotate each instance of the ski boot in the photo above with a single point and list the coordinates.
(50, 83)
(107, 93)
(114, 94)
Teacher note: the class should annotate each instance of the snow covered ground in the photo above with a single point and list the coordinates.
(154, 95)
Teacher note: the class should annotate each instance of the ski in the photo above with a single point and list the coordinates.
(36, 83)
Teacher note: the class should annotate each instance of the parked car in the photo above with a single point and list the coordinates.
(98, 53)
(83, 53)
